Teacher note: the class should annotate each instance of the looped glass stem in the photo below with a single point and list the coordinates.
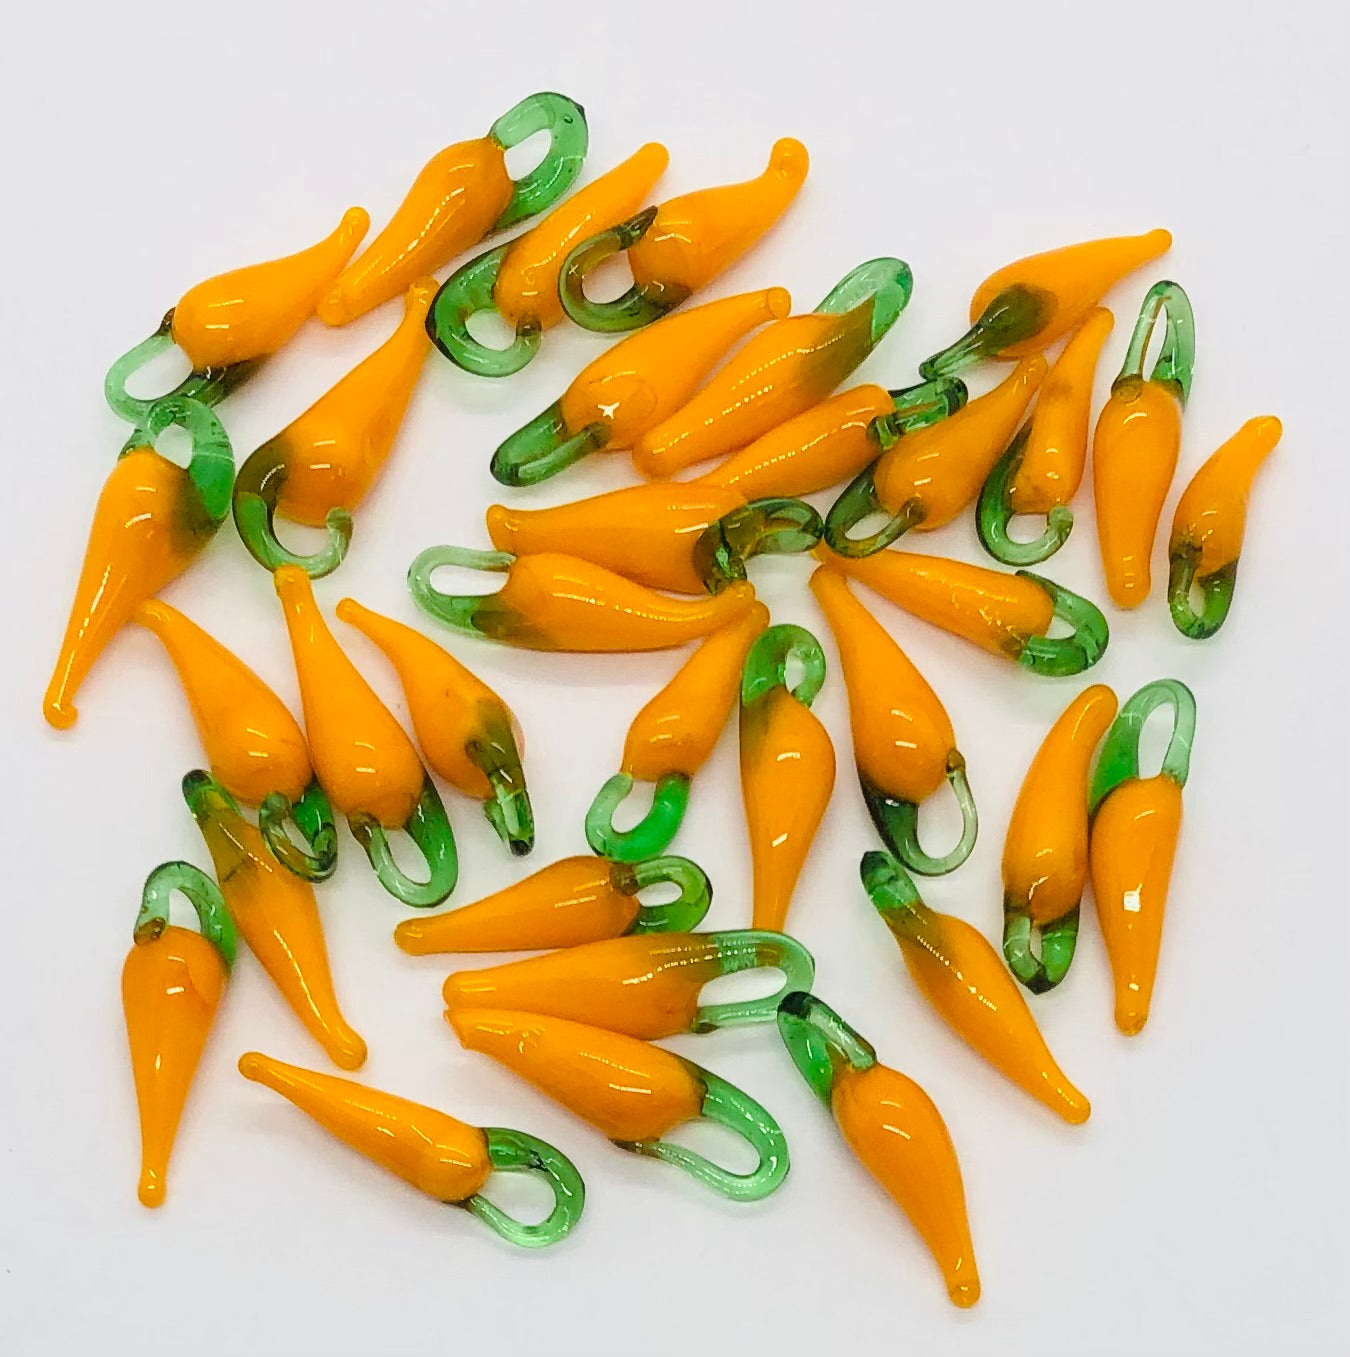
(1012, 317)
(1176, 358)
(652, 834)
(884, 284)
(780, 525)
(1216, 593)
(256, 492)
(1062, 656)
(565, 122)
(897, 822)
(858, 502)
(994, 512)
(211, 465)
(516, 1152)
(1039, 957)
(543, 447)
(429, 828)
(751, 949)
(204, 895)
(313, 817)
(820, 1042)
(917, 407)
(508, 809)
(455, 610)
(681, 915)
(1119, 757)
(465, 293)
(640, 305)
(766, 664)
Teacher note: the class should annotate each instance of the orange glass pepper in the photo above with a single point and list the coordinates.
(438, 1155)
(276, 913)
(459, 196)
(320, 466)
(677, 248)
(787, 766)
(1007, 615)
(556, 602)
(633, 386)
(171, 986)
(1207, 528)
(643, 985)
(903, 744)
(255, 747)
(466, 732)
(1045, 855)
(519, 280)
(669, 741)
(891, 1124)
(363, 760)
(633, 1093)
(964, 979)
(1043, 466)
(1136, 442)
(1026, 306)
(1135, 824)
(152, 520)
(792, 366)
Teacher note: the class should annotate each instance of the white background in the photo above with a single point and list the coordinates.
(1202, 1209)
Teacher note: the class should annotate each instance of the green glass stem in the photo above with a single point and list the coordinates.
(918, 407)
(640, 305)
(211, 465)
(313, 817)
(429, 828)
(1063, 656)
(465, 612)
(1013, 316)
(204, 895)
(652, 834)
(516, 1152)
(884, 284)
(766, 664)
(544, 447)
(256, 492)
(565, 122)
(467, 292)
(735, 1109)
(1176, 359)
(897, 822)
(858, 502)
(780, 525)
(1039, 958)
(753, 949)
(1119, 758)
(994, 512)
(508, 809)
(822, 1045)
(681, 915)
(1216, 593)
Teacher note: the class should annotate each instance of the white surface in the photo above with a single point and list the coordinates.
(1203, 1207)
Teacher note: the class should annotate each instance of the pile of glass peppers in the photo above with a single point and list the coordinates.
(747, 394)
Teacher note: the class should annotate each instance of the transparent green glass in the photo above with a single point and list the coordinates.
(517, 1152)
(778, 525)
(1058, 943)
(429, 828)
(917, 407)
(508, 810)
(542, 447)
(822, 1045)
(260, 483)
(638, 306)
(994, 511)
(1011, 317)
(312, 815)
(652, 834)
(897, 822)
(1176, 358)
(1119, 758)
(565, 122)
(1064, 656)
(202, 893)
(465, 293)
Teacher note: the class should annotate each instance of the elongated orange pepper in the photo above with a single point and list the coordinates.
(556, 602)
(461, 194)
(670, 739)
(438, 1155)
(1007, 615)
(466, 732)
(787, 766)
(891, 1124)
(644, 985)
(363, 760)
(152, 520)
(677, 248)
(171, 986)
(631, 1092)
(1045, 855)
(931, 475)
(903, 744)
(1135, 824)
(633, 386)
(575, 900)
(1043, 466)
(519, 280)
(1026, 306)
(1136, 442)
(319, 467)
(964, 979)
(229, 323)
(792, 366)
(276, 913)
(1207, 528)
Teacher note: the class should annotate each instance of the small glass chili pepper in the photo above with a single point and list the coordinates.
(556, 602)
(645, 985)
(1026, 306)
(633, 386)
(1007, 615)
(891, 1124)
(1045, 856)
(460, 195)
(964, 979)
(573, 901)
(519, 280)
(1133, 839)
(903, 744)
(1136, 442)
(787, 766)
(362, 758)
(276, 913)
(670, 739)
(227, 325)
(438, 1155)
(320, 466)
(1208, 525)
(254, 745)
(631, 1092)
(171, 985)
(931, 475)
(792, 366)
(677, 248)
(153, 518)
(466, 732)
(1043, 466)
